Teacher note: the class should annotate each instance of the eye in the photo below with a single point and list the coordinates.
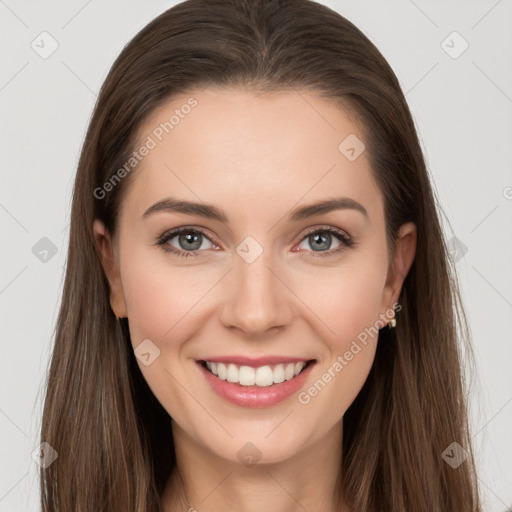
(189, 241)
(321, 238)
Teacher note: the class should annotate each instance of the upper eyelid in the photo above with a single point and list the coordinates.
(325, 227)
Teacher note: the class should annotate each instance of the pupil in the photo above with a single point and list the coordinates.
(325, 237)
(191, 239)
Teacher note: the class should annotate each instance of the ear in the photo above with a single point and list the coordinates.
(400, 266)
(111, 267)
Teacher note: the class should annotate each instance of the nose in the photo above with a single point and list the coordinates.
(257, 299)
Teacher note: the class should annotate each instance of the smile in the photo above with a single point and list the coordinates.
(255, 386)
(262, 376)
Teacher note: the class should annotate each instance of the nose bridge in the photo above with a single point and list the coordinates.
(257, 299)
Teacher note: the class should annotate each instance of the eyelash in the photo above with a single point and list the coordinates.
(346, 241)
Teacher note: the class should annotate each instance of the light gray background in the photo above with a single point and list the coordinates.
(463, 110)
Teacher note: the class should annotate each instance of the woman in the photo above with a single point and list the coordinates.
(253, 206)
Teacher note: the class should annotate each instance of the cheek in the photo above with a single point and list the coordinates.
(338, 382)
(346, 306)
(346, 300)
(350, 310)
(149, 311)
(160, 298)
(160, 303)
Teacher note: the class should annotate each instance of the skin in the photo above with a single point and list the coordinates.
(256, 157)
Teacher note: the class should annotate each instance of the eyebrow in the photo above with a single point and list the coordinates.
(208, 211)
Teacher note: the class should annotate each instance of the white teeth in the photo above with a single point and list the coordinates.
(263, 376)
(222, 372)
(289, 372)
(246, 375)
(279, 374)
(232, 373)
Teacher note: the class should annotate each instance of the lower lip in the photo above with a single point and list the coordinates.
(255, 396)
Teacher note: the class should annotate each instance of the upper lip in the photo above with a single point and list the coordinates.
(255, 362)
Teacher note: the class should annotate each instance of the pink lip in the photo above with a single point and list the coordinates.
(255, 396)
(255, 362)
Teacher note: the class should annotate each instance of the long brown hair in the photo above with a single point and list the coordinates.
(113, 438)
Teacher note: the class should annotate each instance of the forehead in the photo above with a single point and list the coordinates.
(247, 151)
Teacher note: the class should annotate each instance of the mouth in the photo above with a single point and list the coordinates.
(251, 377)
(250, 385)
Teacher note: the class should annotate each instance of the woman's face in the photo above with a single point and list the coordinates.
(262, 277)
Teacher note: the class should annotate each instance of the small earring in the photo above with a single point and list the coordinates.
(392, 323)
